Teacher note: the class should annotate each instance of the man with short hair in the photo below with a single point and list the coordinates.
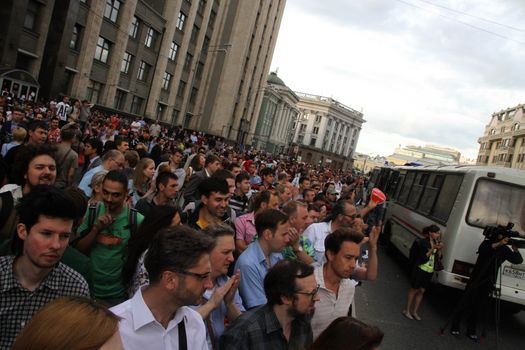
(92, 152)
(158, 316)
(53, 134)
(35, 276)
(300, 247)
(62, 110)
(285, 194)
(273, 235)
(222, 301)
(122, 144)
(174, 163)
(17, 121)
(106, 240)
(245, 229)
(283, 323)
(239, 199)
(67, 158)
(112, 160)
(191, 193)
(337, 290)
(267, 176)
(235, 168)
(308, 195)
(342, 215)
(37, 132)
(166, 193)
(304, 183)
(213, 206)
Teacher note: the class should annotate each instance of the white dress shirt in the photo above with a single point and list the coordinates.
(140, 330)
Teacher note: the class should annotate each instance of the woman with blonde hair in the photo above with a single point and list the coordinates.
(96, 187)
(142, 176)
(71, 323)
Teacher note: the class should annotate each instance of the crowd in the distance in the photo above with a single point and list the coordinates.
(121, 233)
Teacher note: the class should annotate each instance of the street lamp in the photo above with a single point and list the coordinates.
(213, 48)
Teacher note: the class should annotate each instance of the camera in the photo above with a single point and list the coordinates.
(497, 233)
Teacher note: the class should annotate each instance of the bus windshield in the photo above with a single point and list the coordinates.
(497, 203)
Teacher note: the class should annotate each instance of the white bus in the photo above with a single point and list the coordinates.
(462, 201)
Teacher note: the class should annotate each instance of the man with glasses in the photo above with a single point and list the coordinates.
(158, 316)
(342, 215)
(283, 323)
(112, 160)
(105, 240)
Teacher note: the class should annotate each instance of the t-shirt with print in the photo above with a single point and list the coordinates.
(107, 254)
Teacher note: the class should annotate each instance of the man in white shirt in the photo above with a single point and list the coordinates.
(63, 109)
(178, 264)
(337, 290)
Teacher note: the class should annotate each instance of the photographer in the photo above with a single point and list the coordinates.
(492, 252)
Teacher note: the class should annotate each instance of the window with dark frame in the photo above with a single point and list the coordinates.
(134, 27)
(180, 21)
(126, 62)
(174, 48)
(102, 50)
(111, 10)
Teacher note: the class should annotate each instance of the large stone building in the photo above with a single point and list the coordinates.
(503, 143)
(273, 131)
(197, 63)
(326, 131)
(425, 155)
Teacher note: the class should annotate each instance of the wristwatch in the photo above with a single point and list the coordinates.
(300, 249)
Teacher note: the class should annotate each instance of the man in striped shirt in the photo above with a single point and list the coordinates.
(239, 200)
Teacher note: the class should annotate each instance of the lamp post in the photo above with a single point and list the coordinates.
(213, 48)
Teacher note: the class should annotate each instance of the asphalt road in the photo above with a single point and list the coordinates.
(381, 302)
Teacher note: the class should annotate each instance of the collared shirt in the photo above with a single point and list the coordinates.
(245, 227)
(316, 233)
(18, 304)
(253, 267)
(86, 180)
(140, 330)
(239, 203)
(219, 315)
(329, 307)
(259, 329)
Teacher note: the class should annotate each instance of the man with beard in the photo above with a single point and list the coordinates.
(158, 316)
(105, 240)
(222, 301)
(283, 323)
(33, 276)
(214, 202)
(35, 165)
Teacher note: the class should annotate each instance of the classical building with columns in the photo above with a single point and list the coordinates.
(326, 131)
(197, 63)
(273, 132)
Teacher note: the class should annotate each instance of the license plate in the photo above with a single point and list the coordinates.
(514, 273)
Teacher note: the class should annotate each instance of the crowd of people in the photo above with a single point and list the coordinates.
(118, 233)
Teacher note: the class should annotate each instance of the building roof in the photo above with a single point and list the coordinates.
(274, 79)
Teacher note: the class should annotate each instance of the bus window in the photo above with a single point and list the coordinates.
(405, 191)
(447, 197)
(497, 203)
(417, 190)
(399, 185)
(431, 191)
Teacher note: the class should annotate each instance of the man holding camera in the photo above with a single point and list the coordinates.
(492, 252)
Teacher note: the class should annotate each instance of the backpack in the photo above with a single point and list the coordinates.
(93, 211)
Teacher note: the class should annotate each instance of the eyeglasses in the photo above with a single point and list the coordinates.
(311, 294)
(200, 276)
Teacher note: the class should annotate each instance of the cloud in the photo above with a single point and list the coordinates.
(420, 72)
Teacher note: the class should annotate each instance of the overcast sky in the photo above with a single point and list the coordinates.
(421, 71)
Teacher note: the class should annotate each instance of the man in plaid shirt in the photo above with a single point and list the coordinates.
(35, 276)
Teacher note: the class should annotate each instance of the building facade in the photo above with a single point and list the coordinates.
(326, 131)
(273, 132)
(197, 63)
(503, 142)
